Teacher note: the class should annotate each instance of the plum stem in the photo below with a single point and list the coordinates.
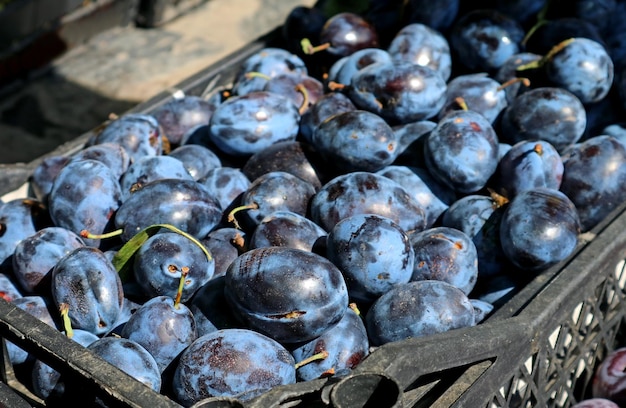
(305, 98)
(112, 234)
(184, 271)
(309, 49)
(543, 60)
(231, 215)
(524, 81)
(64, 308)
(255, 74)
(461, 102)
(315, 357)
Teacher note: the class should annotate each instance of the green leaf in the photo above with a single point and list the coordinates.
(126, 252)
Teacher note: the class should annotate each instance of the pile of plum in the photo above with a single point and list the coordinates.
(396, 169)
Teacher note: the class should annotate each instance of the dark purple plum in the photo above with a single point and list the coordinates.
(583, 67)
(418, 309)
(400, 92)
(113, 155)
(346, 344)
(462, 151)
(445, 254)
(85, 196)
(331, 103)
(422, 45)
(434, 197)
(43, 176)
(178, 115)
(508, 72)
(19, 219)
(479, 217)
(48, 383)
(227, 184)
(539, 228)
(366, 193)
(225, 244)
(130, 357)
(35, 256)
(481, 40)
(346, 33)
(288, 294)
(356, 140)
(235, 363)
(546, 113)
(38, 307)
(138, 133)
(87, 282)
(594, 178)
(301, 89)
(527, 165)
(150, 168)
(596, 403)
(274, 191)
(608, 379)
(185, 204)
(197, 159)
(163, 327)
(268, 62)
(478, 93)
(295, 157)
(356, 61)
(372, 252)
(244, 125)
(210, 309)
(286, 229)
(163, 258)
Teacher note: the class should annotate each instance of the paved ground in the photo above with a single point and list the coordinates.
(123, 66)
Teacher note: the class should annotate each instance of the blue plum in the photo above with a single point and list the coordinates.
(227, 184)
(445, 254)
(434, 197)
(417, 309)
(400, 92)
(113, 155)
(225, 244)
(539, 228)
(346, 343)
(356, 140)
(130, 357)
(373, 253)
(163, 327)
(244, 125)
(39, 307)
(19, 219)
(583, 67)
(236, 363)
(35, 256)
(422, 45)
(85, 196)
(287, 229)
(288, 294)
(159, 263)
(274, 191)
(462, 151)
(185, 204)
(594, 178)
(366, 193)
(138, 133)
(529, 164)
(197, 159)
(149, 168)
(178, 115)
(87, 282)
(547, 113)
(331, 103)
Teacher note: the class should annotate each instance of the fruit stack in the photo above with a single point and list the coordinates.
(416, 192)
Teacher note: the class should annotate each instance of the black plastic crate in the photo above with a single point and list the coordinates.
(538, 349)
(153, 13)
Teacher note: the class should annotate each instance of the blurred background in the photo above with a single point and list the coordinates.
(66, 65)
